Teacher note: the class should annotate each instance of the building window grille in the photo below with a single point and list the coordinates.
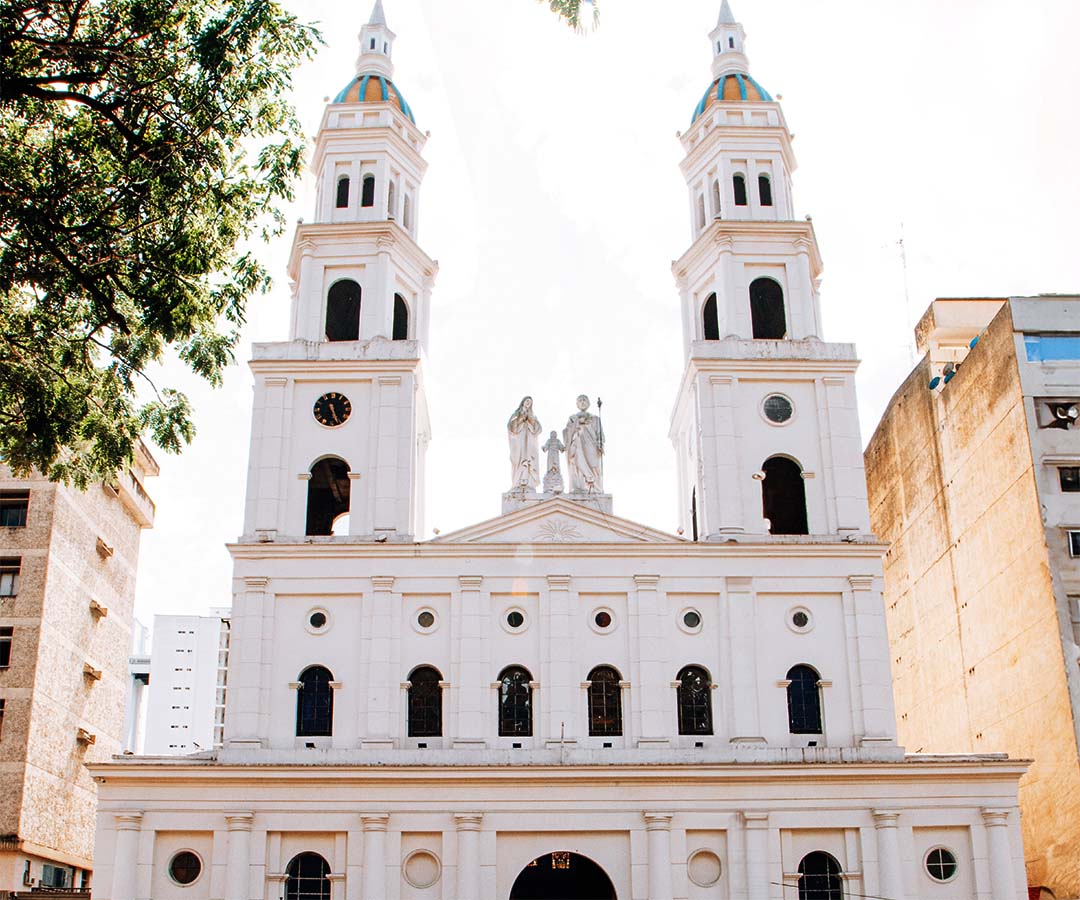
(738, 183)
(515, 703)
(6, 635)
(804, 700)
(308, 878)
(315, 703)
(605, 702)
(820, 877)
(1069, 478)
(342, 192)
(425, 703)
(10, 568)
(695, 701)
(13, 507)
(367, 196)
(55, 876)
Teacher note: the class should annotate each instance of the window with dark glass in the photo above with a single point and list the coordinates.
(738, 182)
(367, 193)
(764, 186)
(804, 701)
(605, 702)
(783, 496)
(694, 696)
(343, 311)
(13, 507)
(768, 321)
(1069, 478)
(342, 192)
(1, 718)
(315, 703)
(425, 703)
(941, 864)
(307, 878)
(6, 636)
(515, 703)
(400, 330)
(710, 319)
(820, 877)
(1074, 544)
(185, 867)
(10, 566)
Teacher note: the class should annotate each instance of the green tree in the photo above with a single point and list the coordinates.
(141, 143)
(571, 11)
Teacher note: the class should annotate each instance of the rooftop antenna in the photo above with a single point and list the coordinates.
(907, 299)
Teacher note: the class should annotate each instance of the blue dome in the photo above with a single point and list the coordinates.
(731, 88)
(371, 88)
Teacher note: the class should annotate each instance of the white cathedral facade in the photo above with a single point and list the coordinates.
(558, 703)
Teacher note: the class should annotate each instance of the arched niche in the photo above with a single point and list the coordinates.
(767, 317)
(401, 319)
(328, 495)
(343, 311)
(783, 496)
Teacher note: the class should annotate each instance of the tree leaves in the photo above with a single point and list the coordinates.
(141, 142)
(571, 11)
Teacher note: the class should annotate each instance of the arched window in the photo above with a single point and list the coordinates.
(328, 495)
(425, 702)
(406, 213)
(515, 703)
(308, 878)
(391, 200)
(804, 701)
(716, 208)
(700, 212)
(739, 183)
(820, 877)
(710, 319)
(783, 496)
(695, 701)
(605, 702)
(342, 192)
(367, 194)
(767, 318)
(764, 187)
(343, 311)
(401, 319)
(315, 703)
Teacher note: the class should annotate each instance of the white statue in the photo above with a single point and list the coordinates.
(522, 430)
(584, 441)
(553, 483)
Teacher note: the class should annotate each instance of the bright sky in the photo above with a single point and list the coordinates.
(555, 205)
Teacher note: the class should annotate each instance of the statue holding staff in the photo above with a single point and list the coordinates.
(584, 450)
(522, 430)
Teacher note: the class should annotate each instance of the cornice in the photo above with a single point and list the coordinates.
(317, 367)
(315, 233)
(719, 231)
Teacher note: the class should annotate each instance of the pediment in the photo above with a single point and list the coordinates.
(558, 521)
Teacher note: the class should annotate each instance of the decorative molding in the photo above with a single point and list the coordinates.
(995, 818)
(783, 684)
(722, 380)
(885, 818)
(646, 582)
(444, 684)
(304, 476)
(275, 381)
(737, 584)
(624, 684)
(389, 380)
(468, 821)
(256, 582)
(130, 820)
(557, 531)
(861, 582)
(336, 685)
(658, 821)
(833, 380)
(295, 685)
(558, 582)
(354, 476)
(824, 683)
(470, 582)
(374, 821)
(755, 820)
(239, 821)
(382, 582)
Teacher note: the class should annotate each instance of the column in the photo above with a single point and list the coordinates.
(128, 825)
(890, 865)
(756, 825)
(391, 511)
(468, 855)
(875, 676)
(238, 872)
(473, 693)
(689, 312)
(307, 304)
(377, 732)
(565, 693)
(742, 645)
(722, 502)
(1002, 879)
(373, 879)
(658, 826)
(653, 677)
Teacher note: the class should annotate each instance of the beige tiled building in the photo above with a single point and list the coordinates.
(975, 482)
(67, 588)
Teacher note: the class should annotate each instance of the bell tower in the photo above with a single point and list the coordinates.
(765, 427)
(340, 419)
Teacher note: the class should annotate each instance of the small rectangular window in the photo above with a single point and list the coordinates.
(13, 507)
(9, 576)
(6, 637)
(1074, 544)
(1070, 478)
(1, 718)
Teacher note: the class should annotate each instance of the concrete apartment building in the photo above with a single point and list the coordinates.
(974, 479)
(67, 587)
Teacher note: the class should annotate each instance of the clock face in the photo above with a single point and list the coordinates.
(332, 409)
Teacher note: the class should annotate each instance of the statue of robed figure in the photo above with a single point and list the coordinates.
(584, 440)
(522, 430)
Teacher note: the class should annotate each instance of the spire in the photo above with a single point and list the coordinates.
(378, 17)
(376, 45)
(726, 15)
(727, 38)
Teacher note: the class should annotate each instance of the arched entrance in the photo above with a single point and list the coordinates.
(562, 876)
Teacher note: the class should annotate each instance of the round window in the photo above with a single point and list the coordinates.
(515, 619)
(800, 619)
(704, 868)
(691, 618)
(778, 409)
(941, 864)
(317, 620)
(426, 619)
(602, 619)
(185, 867)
